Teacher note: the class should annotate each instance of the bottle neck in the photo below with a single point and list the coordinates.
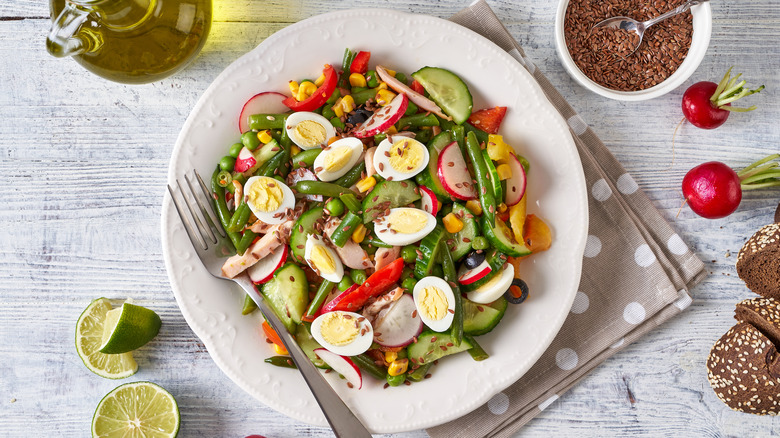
(120, 15)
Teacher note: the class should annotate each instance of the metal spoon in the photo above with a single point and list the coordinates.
(638, 27)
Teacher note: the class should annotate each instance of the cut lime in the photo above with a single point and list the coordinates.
(89, 337)
(138, 409)
(127, 328)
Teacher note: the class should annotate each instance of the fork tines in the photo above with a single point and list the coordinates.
(201, 212)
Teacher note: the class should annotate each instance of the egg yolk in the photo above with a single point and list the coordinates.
(406, 155)
(265, 194)
(432, 303)
(322, 259)
(338, 330)
(407, 221)
(310, 134)
(337, 158)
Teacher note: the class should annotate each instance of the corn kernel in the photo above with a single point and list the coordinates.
(279, 349)
(391, 130)
(452, 224)
(357, 80)
(264, 136)
(320, 80)
(497, 149)
(366, 184)
(398, 367)
(381, 86)
(504, 171)
(391, 356)
(390, 72)
(347, 103)
(337, 109)
(501, 207)
(305, 90)
(474, 207)
(294, 150)
(359, 234)
(384, 97)
(293, 87)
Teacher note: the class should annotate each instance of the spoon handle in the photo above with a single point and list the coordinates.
(673, 12)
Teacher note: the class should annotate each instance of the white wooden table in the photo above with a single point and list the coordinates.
(83, 164)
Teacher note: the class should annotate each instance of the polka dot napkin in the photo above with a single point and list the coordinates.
(636, 271)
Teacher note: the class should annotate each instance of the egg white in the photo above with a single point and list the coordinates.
(356, 151)
(295, 118)
(382, 161)
(439, 283)
(357, 346)
(495, 288)
(311, 242)
(386, 235)
(288, 201)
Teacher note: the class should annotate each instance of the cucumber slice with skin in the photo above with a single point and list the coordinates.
(496, 260)
(308, 345)
(426, 349)
(501, 238)
(467, 234)
(429, 177)
(288, 294)
(479, 319)
(388, 194)
(301, 230)
(447, 90)
(495, 181)
(429, 247)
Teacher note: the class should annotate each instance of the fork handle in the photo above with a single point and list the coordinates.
(341, 419)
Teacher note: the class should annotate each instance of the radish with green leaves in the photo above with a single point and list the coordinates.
(707, 105)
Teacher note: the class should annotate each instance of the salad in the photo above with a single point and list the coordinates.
(380, 216)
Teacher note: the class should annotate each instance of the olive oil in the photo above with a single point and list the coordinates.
(139, 41)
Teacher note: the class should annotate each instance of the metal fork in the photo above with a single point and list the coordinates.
(200, 222)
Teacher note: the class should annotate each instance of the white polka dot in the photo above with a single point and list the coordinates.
(545, 404)
(684, 301)
(626, 184)
(581, 303)
(499, 403)
(592, 246)
(601, 190)
(566, 358)
(634, 313)
(644, 256)
(618, 344)
(676, 245)
(577, 124)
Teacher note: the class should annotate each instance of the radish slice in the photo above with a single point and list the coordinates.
(342, 365)
(429, 203)
(245, 160)
(269, 102)
(454, 174)
(262, 271)
(383, 118)
(515, 185)
(418, 99)
(400, 324)
(468, 276)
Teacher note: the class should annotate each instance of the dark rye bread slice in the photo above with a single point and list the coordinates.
(758, 262)
(763, 314)
(744, 370)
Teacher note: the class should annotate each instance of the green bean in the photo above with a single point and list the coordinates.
(259, 122)
(327, 112)
(305, 158)
(476, 352)
(246, 240)
(359, 276)
(482, 136)
(424, 135)
(376, 242)
(334, 96)
(352, 176)
(337, 123)
(417, 120)
(367, 364)
(396, 380)
(401, 77)
(268, 168)
(419, 374)
(358, 89)
(343, 232)
(363, 96)
(319, 298)
(352, 203)
(411, 108)
(345, 283)
(280, 361)
(486, 197)
(379, 138)
(450, 276)
(349, 56)
(249, 305)
(222, 210)
(239, 218)
(334, 207)
(328, 190)
(284, 139)
(372, 79)
(224, 178)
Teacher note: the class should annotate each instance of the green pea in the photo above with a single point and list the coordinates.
(250, 140)
(345, 283)
(407, 272)
(235, 148)
(479, 242)
(358, 276)
(409, 253)
(437, 271)
(226, 163)
(409, 284)
(396, 380)
(335, 207)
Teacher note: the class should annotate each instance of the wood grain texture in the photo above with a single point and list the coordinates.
(83, 164)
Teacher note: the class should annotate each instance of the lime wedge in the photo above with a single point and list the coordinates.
(127, 328)
(89, 337)
(138, 409)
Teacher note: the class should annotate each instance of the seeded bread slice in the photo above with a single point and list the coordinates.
(744, 370)
(763, 314)
(758, 262)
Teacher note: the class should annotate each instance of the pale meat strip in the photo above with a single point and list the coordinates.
(276, 236)
(419, 100)
(385, 256)
(351, 254)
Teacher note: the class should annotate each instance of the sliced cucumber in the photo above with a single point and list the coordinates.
(501, 238)
(388, 194)
(467, 234)
(478, 322)
(288, 294)
(429, 247)
(426, 349)
(267, 152)
(447, 90)
(308, 344)
(495, 259)
(495, 181)
(429, 177)
(301, 230)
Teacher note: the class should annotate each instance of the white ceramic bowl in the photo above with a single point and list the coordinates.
(702, 29)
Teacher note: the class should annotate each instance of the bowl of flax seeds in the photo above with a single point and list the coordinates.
(601, 59)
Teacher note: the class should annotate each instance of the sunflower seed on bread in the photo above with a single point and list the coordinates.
(758, 262)
(763, 314)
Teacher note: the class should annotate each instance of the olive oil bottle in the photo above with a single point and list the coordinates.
(130, 41)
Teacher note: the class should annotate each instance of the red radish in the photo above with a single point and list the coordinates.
(400, 324)
(429, 203)
(454, 174)
(383, 118)
(330, 305)
(468, 276)
(269, 102)
(707, 105)
(245, 160)
(515, 185)
(342, 365)
(262, 271)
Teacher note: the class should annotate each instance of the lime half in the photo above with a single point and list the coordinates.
(89, 338)
(127, 328)
(138, 409)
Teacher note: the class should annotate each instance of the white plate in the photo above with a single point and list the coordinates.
(556, 192)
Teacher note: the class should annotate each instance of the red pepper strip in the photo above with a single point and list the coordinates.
(488, 119)
(360, 63)
(417, 87)
(318, 98)
(376, 284)
(271, 334)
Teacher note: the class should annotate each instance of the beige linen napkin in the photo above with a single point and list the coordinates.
(636, 270)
